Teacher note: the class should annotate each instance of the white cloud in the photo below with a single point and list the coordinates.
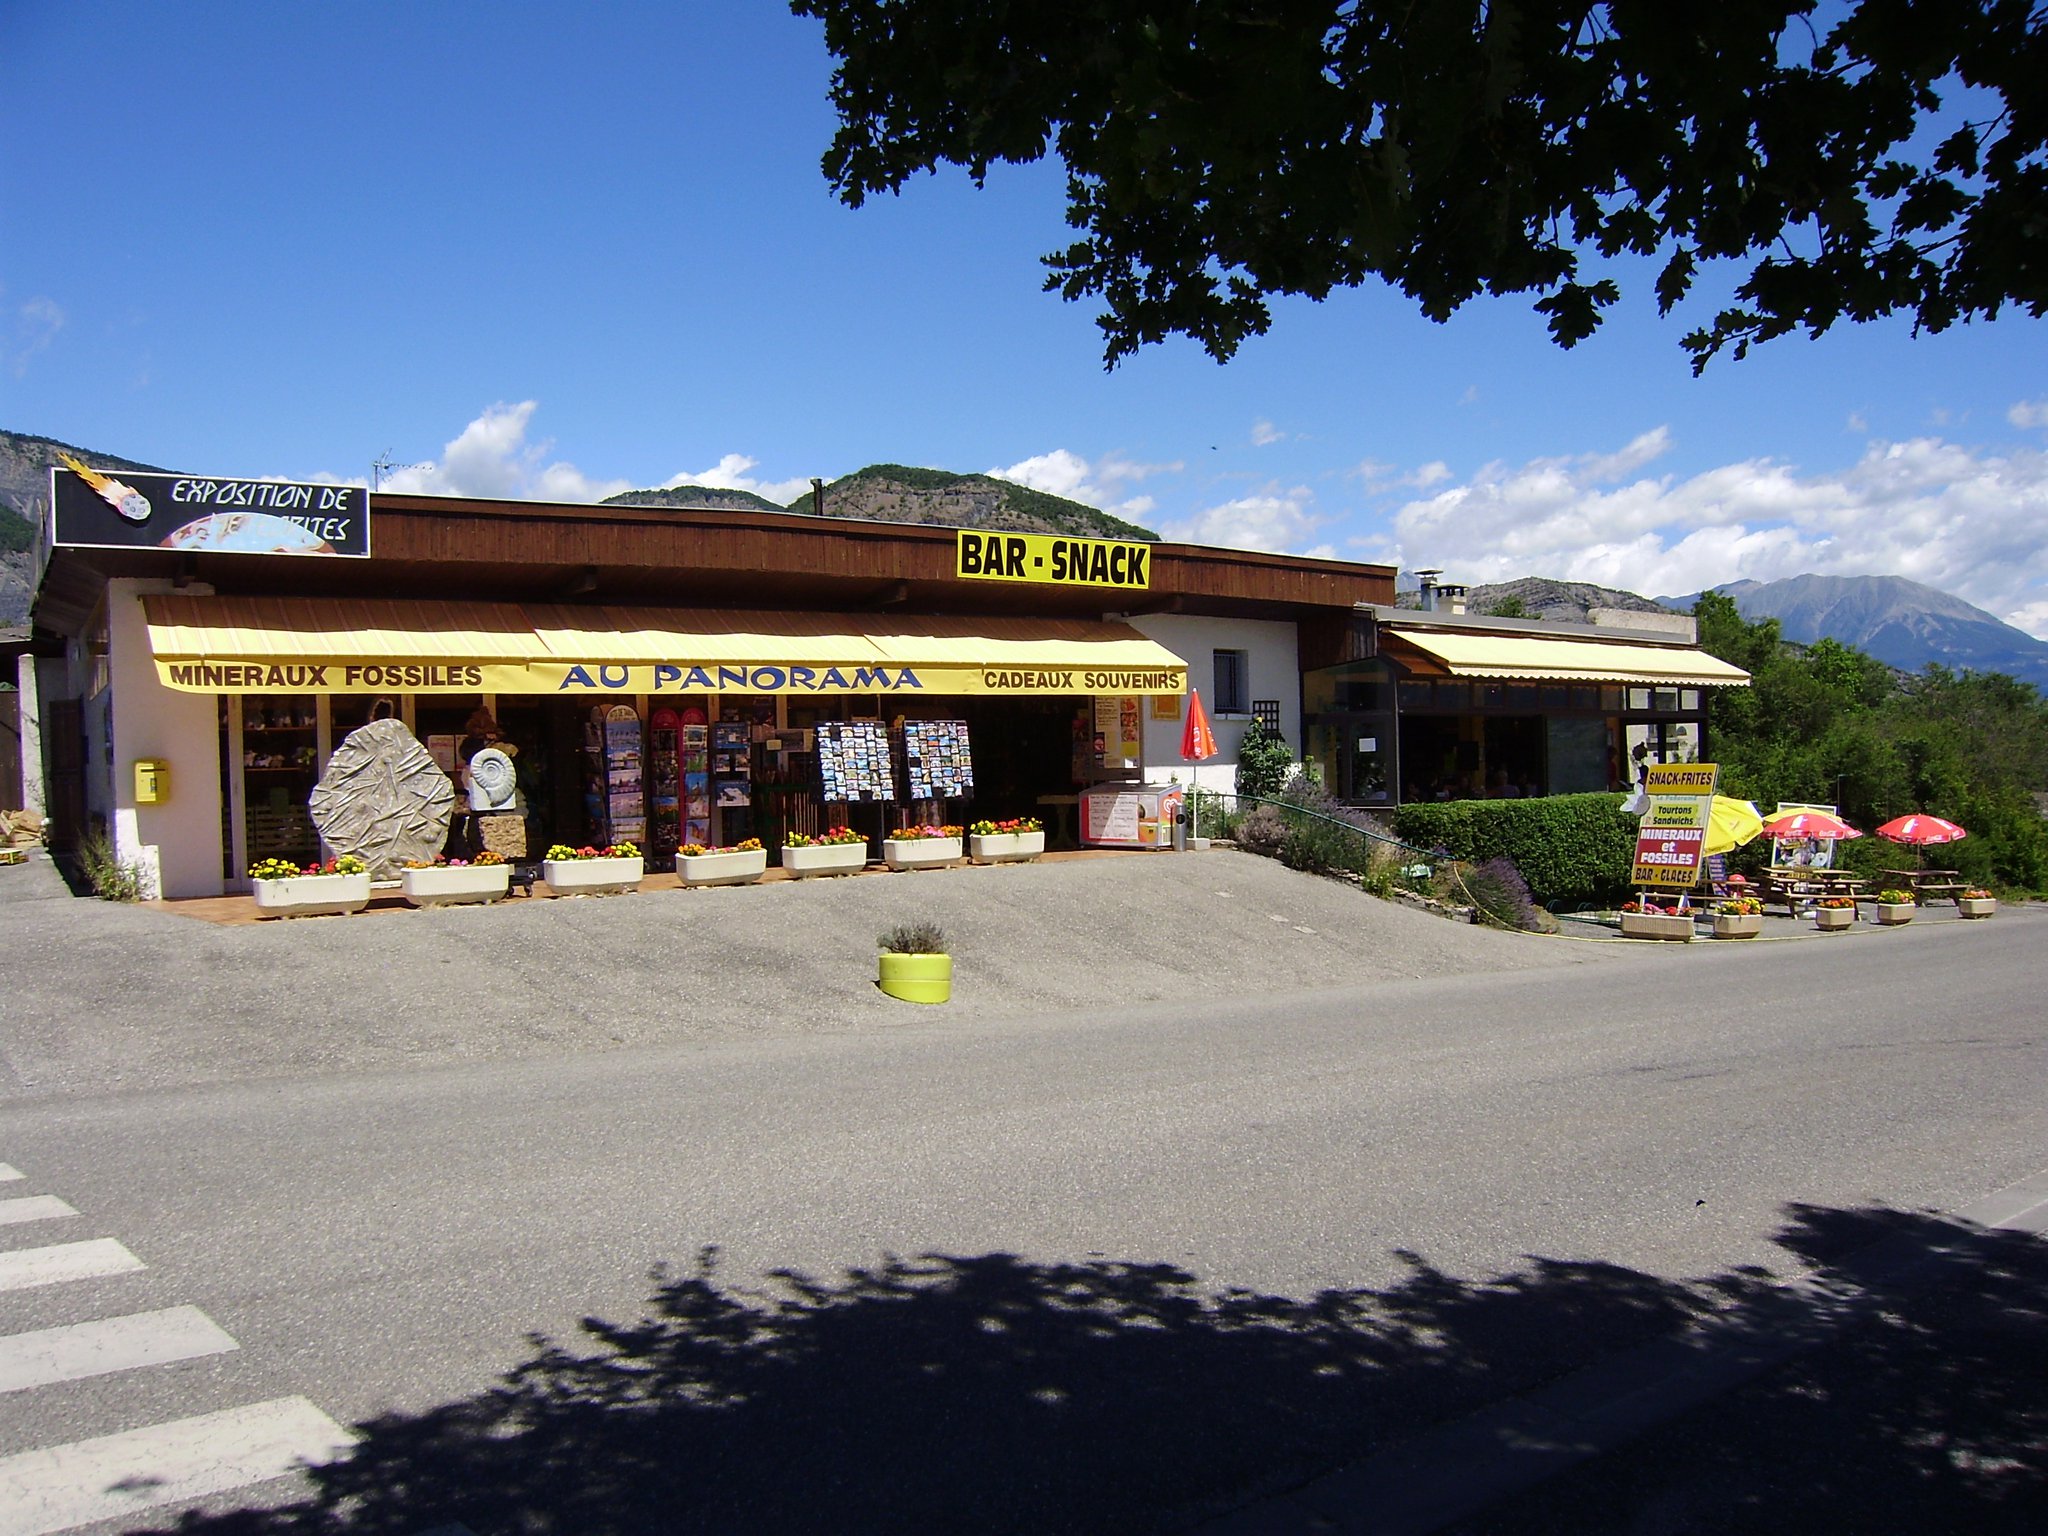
(730, 474)
(1857, 422)
(1278, 521)
(1264, 434)
(1958, 518)
(491, 458)
(2028, 413)
(1102, 483)
(36, 323)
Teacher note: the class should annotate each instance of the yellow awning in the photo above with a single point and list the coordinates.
(1549, 659)
(337, 645)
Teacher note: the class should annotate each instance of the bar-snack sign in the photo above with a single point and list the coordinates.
(1054, 558)
(1671, 842)
(127, 509)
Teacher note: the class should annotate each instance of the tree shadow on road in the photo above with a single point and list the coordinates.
(988, 1393)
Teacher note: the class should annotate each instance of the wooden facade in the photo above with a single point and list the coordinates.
(430, 546)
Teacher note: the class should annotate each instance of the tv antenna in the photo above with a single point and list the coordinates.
(381, 467)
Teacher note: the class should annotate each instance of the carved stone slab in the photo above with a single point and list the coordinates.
(383, 798)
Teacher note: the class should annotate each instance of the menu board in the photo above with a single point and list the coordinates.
(936, 759)
(853, 760)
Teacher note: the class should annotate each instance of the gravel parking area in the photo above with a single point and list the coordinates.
(100, 996)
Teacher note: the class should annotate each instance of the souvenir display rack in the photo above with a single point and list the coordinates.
(937, 761)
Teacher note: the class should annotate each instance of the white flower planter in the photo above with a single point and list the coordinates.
(1833, 919)
(1893, 913)
(825, 859)
(1977, 906)
(446, 885)
(312, 895)
(1738, 925)
(920, 852)
(592, 877)
(1654, 925)
(722, 868)
(1006, 847)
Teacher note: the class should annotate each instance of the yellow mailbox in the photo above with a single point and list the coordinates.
(152, 781)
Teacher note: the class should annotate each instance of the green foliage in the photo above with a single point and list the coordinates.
(1218, 154)
(1827, 724)
(1509, 607)
(921, 937)
(1571, 849)
(111, 878)
(1264, 762)
(16, 533)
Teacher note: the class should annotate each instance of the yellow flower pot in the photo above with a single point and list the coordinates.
(917, 978)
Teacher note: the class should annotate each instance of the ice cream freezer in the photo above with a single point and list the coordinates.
(1130, 815)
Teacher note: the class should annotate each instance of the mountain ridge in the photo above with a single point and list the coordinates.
(1903, 623)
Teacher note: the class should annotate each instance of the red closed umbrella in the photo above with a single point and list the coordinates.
(1920, 828)
(1197, 741)
(1824, 825)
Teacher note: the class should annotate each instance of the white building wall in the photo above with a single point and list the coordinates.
(177, 841)
(1273, 658)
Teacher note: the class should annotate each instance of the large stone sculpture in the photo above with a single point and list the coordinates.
(383, 798)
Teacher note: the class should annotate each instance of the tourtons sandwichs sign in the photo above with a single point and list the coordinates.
(126, 509)
(1054, 559)
(1672, 838)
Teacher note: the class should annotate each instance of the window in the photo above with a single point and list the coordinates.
(1233, 682)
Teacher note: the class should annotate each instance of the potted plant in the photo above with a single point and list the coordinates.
(1894, 907)
(914, 964)
(925, 847)
(1977, 902)
(1646, 919)
(592, 871)
(1006, 842)
(445, 882)
(285, 889)
(1738, 917)
(739, 864)
(835, 851)
(1833, 914)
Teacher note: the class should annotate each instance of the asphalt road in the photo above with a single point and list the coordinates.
(1114, 1265)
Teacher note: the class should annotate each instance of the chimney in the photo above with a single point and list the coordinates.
(1427, 582)
(1450, 598)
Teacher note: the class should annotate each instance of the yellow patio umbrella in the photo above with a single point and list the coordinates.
(1731, 823)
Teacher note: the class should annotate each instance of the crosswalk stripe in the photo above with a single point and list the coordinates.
(26, 1267)
(109, 1344)
(33, 1208)
(9, 1171)
(70, 1485)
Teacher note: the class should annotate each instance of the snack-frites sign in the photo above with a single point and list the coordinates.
(1671, 841)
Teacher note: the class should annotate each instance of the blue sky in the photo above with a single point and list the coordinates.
(562, 251)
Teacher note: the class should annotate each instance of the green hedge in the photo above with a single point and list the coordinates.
(1572, 849)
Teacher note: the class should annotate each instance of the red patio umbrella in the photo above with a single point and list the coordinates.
(1920, 828)
(1827, 827)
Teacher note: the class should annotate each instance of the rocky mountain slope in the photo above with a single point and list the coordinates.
(1560, 602)
(718, 497)
(1898, 621)
(896, 493)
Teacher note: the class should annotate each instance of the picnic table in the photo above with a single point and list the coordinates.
(1929, 882)
(1794, 887)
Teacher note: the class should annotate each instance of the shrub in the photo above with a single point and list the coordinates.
(1323, 834)
(1261, 831)
(1571, 849)
(111, 878)
(921, 937)
(1263, 762)
(1500, 897)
